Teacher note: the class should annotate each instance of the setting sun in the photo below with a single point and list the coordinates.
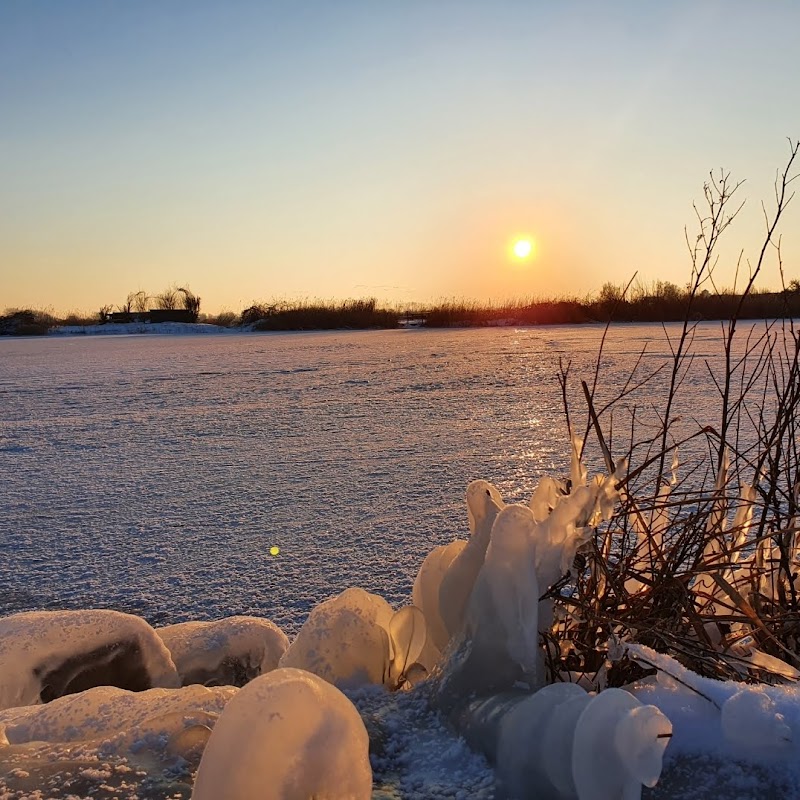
(522, 248)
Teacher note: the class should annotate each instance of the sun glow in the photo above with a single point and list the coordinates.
(522, 248)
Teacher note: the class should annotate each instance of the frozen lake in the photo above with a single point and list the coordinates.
(152, 474)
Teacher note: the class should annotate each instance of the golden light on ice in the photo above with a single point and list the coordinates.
(523, 248)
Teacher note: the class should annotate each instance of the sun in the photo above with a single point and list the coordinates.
(522, 248)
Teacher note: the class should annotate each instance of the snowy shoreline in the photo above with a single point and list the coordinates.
(134, 328)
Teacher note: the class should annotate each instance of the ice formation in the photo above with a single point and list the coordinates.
(502, 617)
(478, 617)
(530, 744)
(528, 549)
(484, 503)
(226, 652)
(47, 654)
(356, 638)
(618, 747)
(407, 637)
(107, 740)
(106, 711)
(426, 594)
(743, 721)
(287, 735)
(344, 640)
(562, 743)
(750, 719)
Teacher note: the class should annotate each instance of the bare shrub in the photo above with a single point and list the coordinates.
(701, 558)
(167, 300)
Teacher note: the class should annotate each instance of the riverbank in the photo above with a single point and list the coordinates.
(665, 303)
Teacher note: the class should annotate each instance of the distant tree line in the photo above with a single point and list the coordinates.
(662, 301)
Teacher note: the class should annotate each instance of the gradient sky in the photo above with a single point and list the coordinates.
(335, 148)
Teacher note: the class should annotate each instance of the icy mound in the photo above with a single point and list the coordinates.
(287, 735)
(108, 742)
(345, 640)
(356, 638)
(105, 712)
(48, 654)
(226, 652)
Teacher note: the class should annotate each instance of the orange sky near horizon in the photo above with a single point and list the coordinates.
(348, 150)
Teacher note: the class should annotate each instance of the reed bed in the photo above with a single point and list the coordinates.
(701, 559)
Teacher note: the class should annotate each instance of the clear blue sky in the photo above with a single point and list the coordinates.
(343, 149)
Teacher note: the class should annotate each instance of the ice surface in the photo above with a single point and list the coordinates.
(415, 753)
(46, 654)
(228, 651)
(129, 328)
(287, 735)
(142, 472)
(160, 515)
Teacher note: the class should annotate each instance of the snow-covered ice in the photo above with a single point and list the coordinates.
(139, 328)
(157, 472)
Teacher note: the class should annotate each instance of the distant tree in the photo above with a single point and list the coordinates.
(191, 302)
(610, 294)
(125, 308)
(139, 301)
(665, 290)
(167, 300)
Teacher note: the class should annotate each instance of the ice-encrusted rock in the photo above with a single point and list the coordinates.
(106, 711)
(287, 735)
(225, 652)
(356, 638)
(345, 640)
(618, 747)
(107, 741)
(47, 654)
(527, 751)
